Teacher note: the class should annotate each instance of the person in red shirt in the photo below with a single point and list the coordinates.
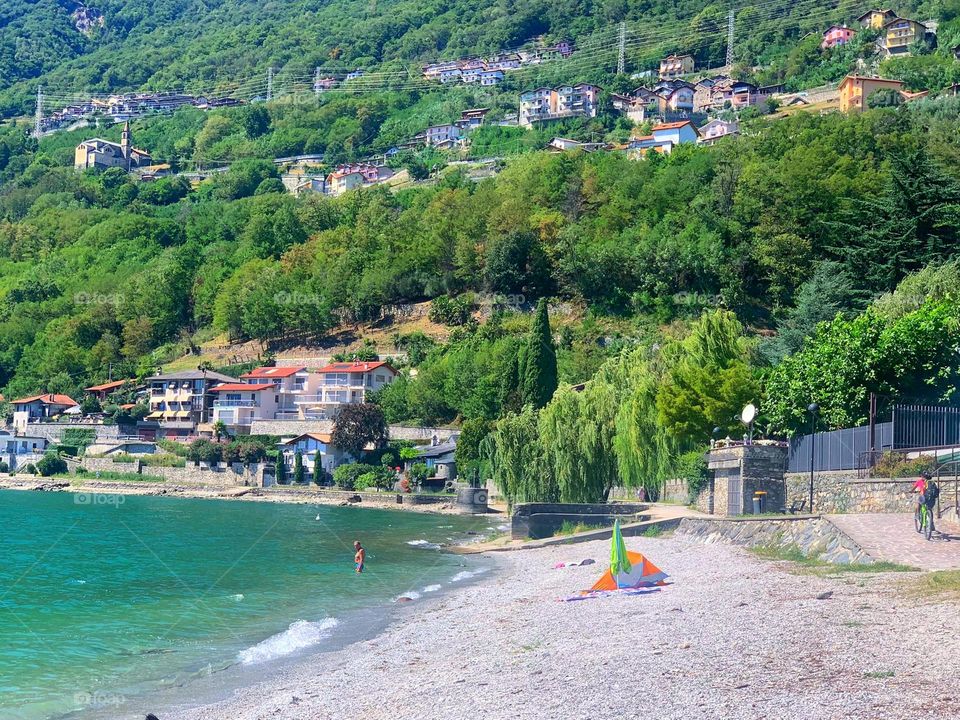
(926, 494)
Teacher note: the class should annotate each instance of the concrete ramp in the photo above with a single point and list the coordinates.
(891, 537)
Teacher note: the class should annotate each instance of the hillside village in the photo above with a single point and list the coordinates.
(681, 106)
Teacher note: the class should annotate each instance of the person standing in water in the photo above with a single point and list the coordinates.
(360, 556)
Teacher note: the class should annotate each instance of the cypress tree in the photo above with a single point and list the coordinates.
(317, 469)
(279, 470)
(298, 468)
(538, 378)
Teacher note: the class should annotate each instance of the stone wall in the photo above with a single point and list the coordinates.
(843, 492)
(54, 431)
(540, 520)
(740, 471)
(815, 537)
(220, 474)
(292, 428)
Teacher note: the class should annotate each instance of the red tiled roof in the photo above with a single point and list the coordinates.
(672, 126)
(106, 386)
(272, 372)
(47, 399)
(355, 367)
(241, 387)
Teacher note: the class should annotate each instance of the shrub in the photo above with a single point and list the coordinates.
(124, 458)
(172, 446)
(4, 468)
(348, 476)
(163, 460)
(71, 450)
(205, 451)
(30, 469)
(419, 472)
(80, 470)
(51, 464)
(450, 311)
(692, 467)
(80, 437)
(894, 465)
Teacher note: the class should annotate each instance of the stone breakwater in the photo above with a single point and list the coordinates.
(815, 537)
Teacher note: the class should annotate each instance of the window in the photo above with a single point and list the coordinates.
(381, 379)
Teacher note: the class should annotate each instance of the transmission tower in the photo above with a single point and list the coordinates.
(269, 83)
(622, 50)
(730, 39)
(38, 119)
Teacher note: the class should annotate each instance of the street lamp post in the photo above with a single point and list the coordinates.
(813, 409)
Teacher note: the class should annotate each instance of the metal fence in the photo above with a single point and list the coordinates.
(912, 427)
(925, 426)
(838, 449)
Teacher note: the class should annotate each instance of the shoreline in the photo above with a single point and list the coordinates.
(282, 494)
(714, 643)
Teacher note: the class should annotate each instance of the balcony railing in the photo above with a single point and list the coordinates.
(236, 403)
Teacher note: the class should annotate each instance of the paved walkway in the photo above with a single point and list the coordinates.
(891, 537)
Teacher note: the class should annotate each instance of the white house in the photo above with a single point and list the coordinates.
(313, 447)
(18, 450)
(442, 134)
(489, 78)
(717, 129)
(345, 383)
(664, 137)
(237, 405)
(291, 383)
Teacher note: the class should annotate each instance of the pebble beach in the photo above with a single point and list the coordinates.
(731, 636)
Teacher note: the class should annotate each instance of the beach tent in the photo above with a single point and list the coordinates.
(627, 570)
(642, 573)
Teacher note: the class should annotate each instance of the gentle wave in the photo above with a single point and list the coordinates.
(299, 635)
(467, 574)
(432, 588)
(424, 544)
(409, 595)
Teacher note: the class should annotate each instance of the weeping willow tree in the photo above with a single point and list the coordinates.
(577, 431)
(517, 463)
(645, 453)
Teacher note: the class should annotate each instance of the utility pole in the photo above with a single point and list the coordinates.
(730, 39)
(38, 120)
(270, 83)
(622, 49)
(316, 82)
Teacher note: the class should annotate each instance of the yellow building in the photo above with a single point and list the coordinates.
(676, 65)
(900, 33)
(856, 89)
(876, 19)
(102, 154)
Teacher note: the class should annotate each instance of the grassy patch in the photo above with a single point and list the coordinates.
(879, 674)
(571, 528)
(941, 582)
(808, 564)
(113, 476)
(654, 531)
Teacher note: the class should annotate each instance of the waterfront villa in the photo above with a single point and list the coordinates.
(179, 402)
(41, 407)
(237, 405)
(344, 383)
(313, 447)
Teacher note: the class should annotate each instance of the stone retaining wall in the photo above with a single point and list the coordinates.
(292, 428)
(843, 492)
(815, 537)
(221, 474)
(54, 431)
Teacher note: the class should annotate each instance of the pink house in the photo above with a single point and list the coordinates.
(837, 35)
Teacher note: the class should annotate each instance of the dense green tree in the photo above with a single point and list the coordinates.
(539, 374)
(359, 425)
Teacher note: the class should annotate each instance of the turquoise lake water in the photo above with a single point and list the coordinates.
(107, 599)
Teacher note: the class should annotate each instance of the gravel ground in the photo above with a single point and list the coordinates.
(732, 637)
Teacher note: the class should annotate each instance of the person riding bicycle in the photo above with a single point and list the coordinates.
(927, 494)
